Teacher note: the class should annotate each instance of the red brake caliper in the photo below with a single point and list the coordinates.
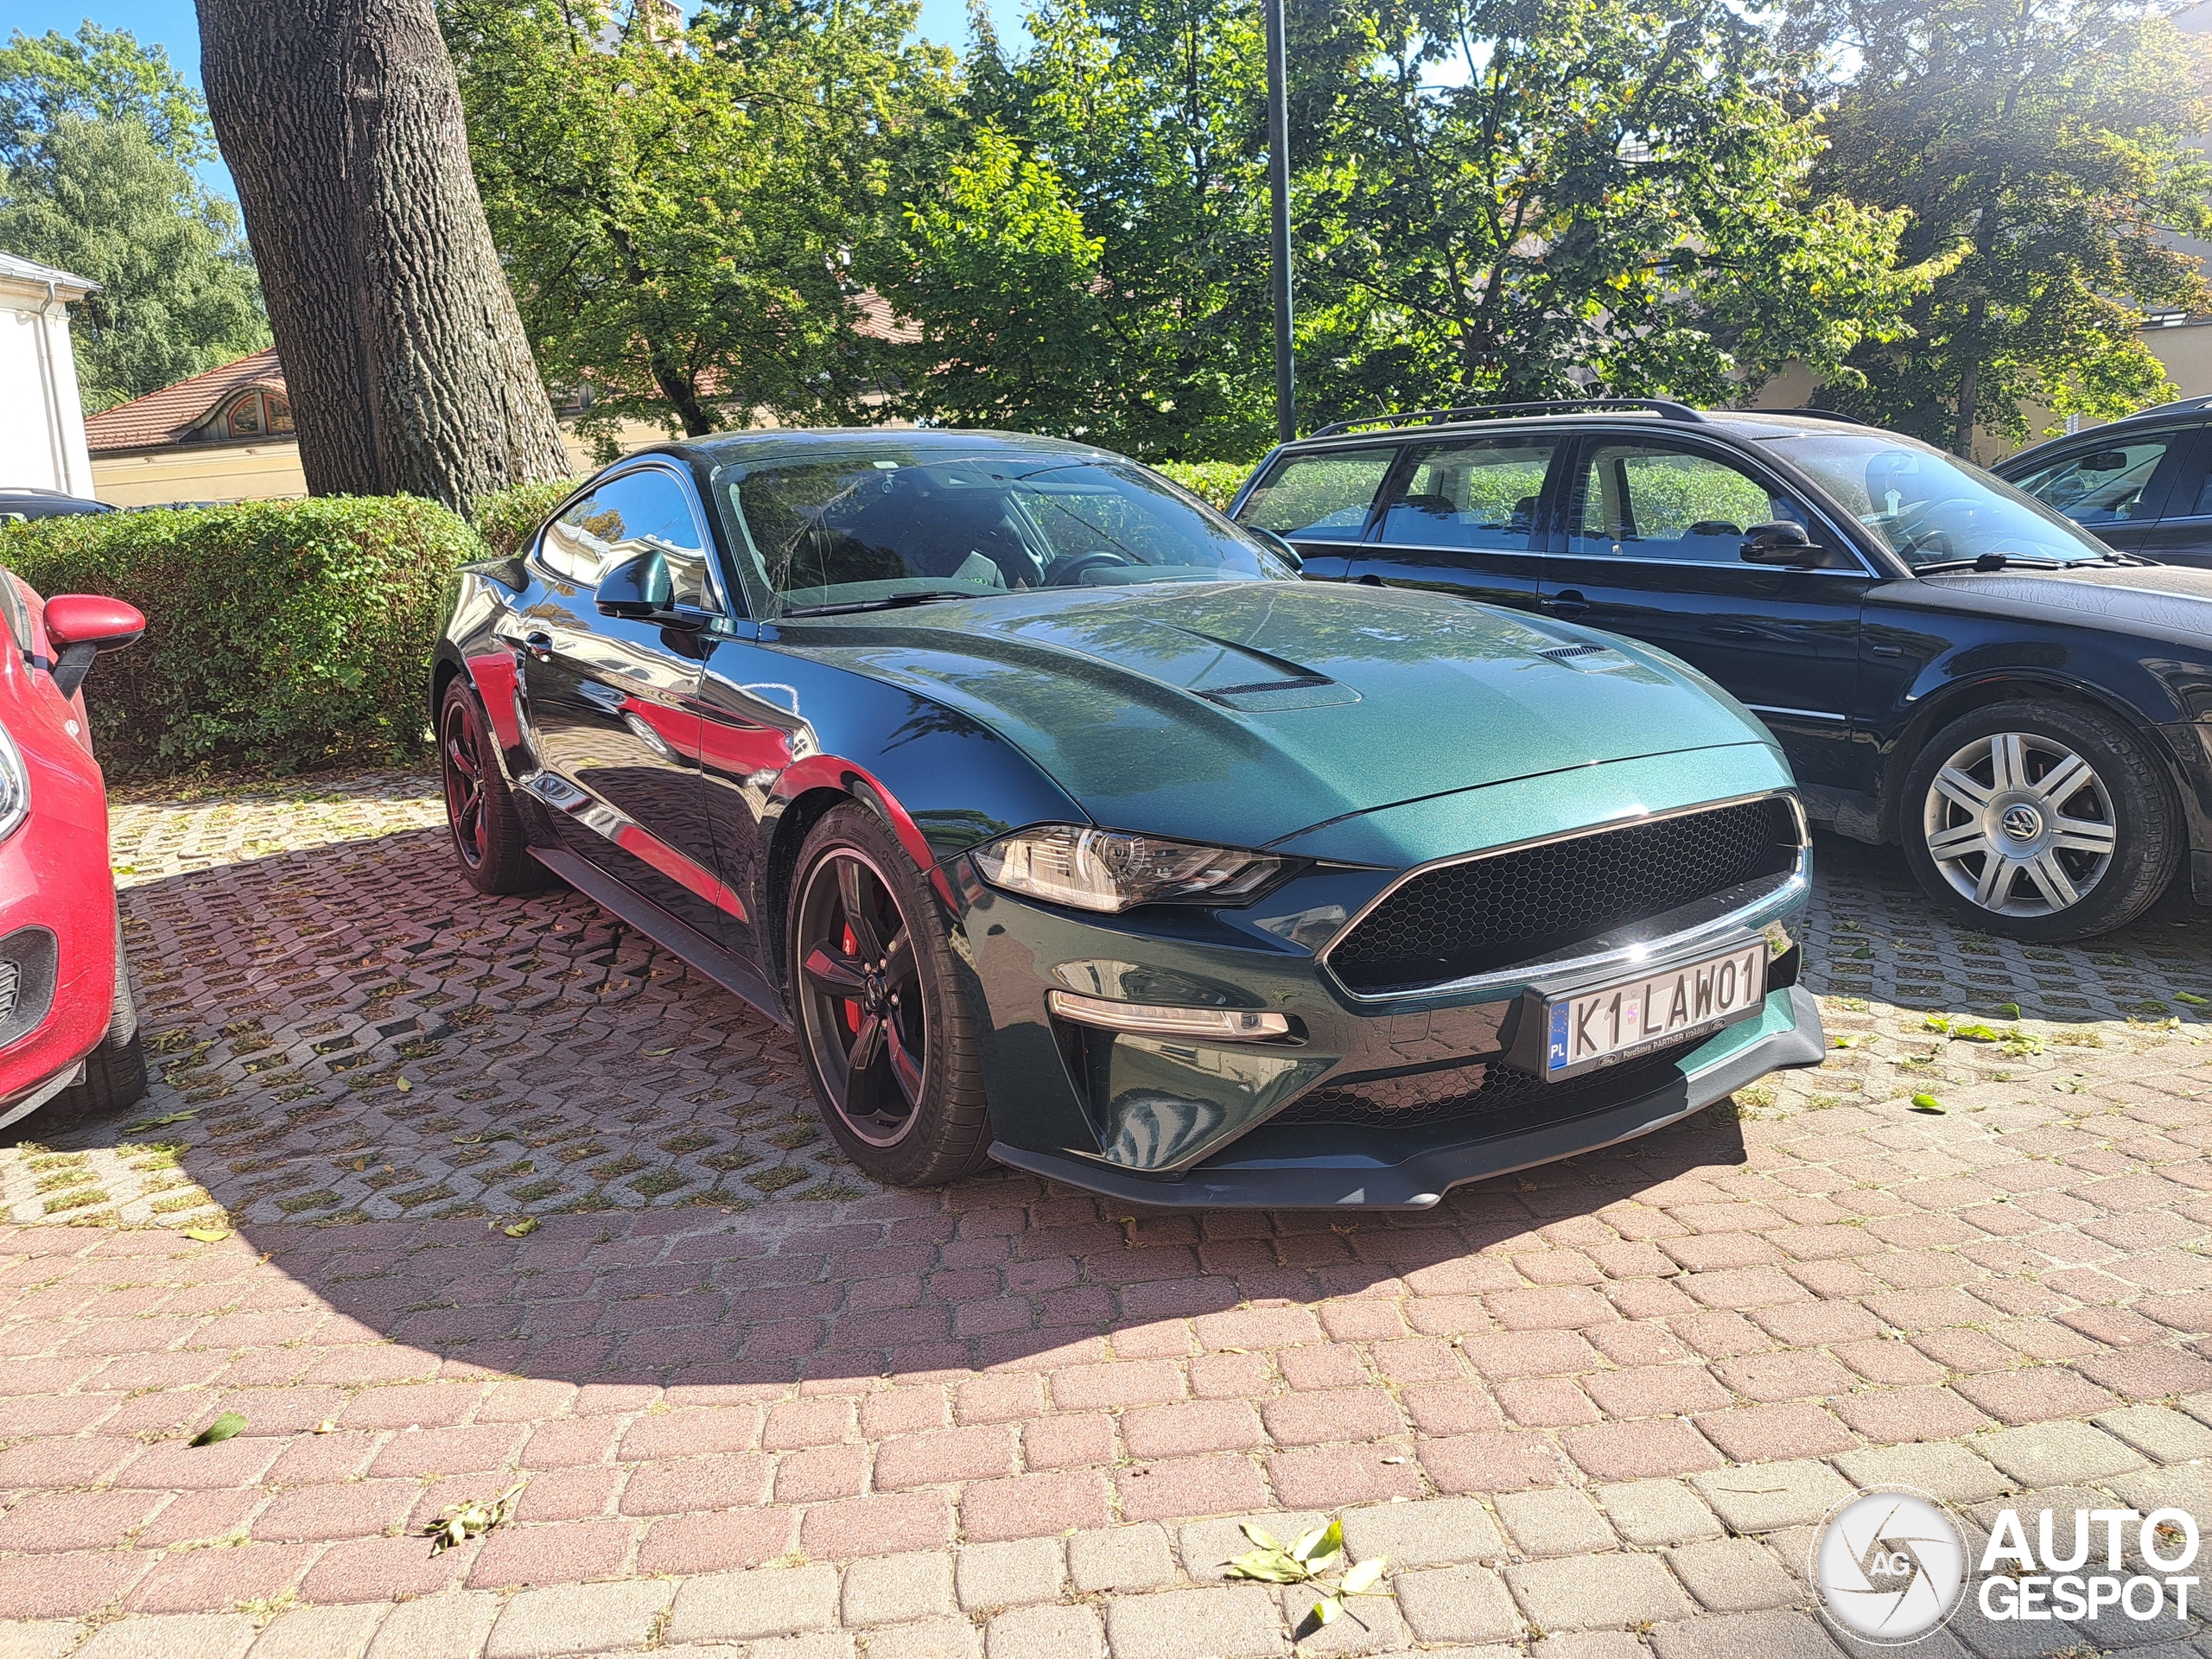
(851, 948)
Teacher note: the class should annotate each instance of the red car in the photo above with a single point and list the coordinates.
(68, 1030)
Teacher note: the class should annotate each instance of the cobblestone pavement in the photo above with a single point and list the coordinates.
(757, 1404)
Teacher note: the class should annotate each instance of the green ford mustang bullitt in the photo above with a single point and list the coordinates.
(1066, 825)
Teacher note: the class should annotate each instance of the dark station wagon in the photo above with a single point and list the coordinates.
(1948, 664)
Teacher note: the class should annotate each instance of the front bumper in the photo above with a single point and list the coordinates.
(1380, 1100)
(1786, 1033)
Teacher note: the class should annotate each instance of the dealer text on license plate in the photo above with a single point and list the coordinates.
(1599, 1027)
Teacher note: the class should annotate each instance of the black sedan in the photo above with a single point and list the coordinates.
(1949, 665)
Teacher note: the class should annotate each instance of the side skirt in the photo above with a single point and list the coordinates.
(725, 968)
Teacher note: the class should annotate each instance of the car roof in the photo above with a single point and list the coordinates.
(830, 442)
(2183, 412)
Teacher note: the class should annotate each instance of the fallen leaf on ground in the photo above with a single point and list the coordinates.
(522, 1228)
(162, 1123)
(230, 1423)
(403, 1085)
(462, 1522)
(207, 1235)
(1928, 1103)
(2191, 998)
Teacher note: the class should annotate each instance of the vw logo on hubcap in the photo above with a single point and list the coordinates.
(2023, 823)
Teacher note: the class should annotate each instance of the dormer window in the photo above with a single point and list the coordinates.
(254, 414)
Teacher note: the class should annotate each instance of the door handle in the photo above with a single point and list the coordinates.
(1736, 630)
(604, 698)
(1569, 604)
(1372, 581)
(538, 644)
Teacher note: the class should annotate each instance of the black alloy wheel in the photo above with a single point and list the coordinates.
(882, 1020)
(487, 832)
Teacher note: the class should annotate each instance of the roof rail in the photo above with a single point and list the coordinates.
(2179, 406)
(1811, 415)
(1666, 409)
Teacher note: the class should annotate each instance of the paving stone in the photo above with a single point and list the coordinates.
(1121, 1558)
(1369, 1623)
(2054, 1454)
(452, 1626)
(1771, 1495)
(1598, 1590)
(1562, 1521)
(1029, 1632)
(172, 1635)
(1650, 1512)
(38, 1639)
(1942, 1470)
(2159, 1432)
(1457, 1604)
(1756, 1636)
(1434, 1532)
(1011, 1574)
(1227, 1622)
(577, 1618)
(893, 1589)
(932, 1638)
(1734, 1575)
(1589, 1644)
(1208, 1546)
(320, 1633)
(765, 1601)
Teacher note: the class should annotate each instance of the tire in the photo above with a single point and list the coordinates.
(2044, 822)
(863, 920)
(115, 1072)
(488, 840)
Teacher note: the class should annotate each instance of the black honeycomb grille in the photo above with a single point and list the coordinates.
(1493, 912)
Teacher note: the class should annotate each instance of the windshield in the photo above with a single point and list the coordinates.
(876, 528)
(1929, 507)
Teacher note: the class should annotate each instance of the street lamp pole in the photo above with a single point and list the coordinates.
(1279, 231)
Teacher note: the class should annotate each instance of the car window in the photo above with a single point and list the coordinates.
(1646, 501)
(1478, 495)
(14, 611)
(1318, 497)
(1929, 507)
(2102, 486)
(639, 513)
(877, 525)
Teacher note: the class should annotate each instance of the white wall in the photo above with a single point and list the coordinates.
(41, 422)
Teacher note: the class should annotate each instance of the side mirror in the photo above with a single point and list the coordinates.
(638, 590)
(80, 626)
(1278, 546)
(1779, 543)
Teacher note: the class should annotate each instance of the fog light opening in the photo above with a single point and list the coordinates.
(1233, 1024)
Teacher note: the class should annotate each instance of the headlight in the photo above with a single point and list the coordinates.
(1104, 869)
(14, 785)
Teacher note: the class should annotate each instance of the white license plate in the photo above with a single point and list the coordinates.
(1630, 1017)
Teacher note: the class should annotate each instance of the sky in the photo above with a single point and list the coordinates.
(173, 23)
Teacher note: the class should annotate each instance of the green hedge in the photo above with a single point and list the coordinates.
(280, 635)
(1216, 481)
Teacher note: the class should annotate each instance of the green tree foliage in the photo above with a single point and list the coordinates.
(2042, 151)
(98, 136)
(1493, 199)
(1099, 259)
(1527, 198)
(678, 211)
(103, 75)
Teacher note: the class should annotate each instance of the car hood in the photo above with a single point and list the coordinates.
(1246, 712)
(2169, 601)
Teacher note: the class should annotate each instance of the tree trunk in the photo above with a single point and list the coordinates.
(405, 359)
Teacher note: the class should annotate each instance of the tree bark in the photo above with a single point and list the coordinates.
(405, 359)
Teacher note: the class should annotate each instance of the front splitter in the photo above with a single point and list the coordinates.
(1422, 1181)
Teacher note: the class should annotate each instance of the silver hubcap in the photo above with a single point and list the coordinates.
(2020, 824)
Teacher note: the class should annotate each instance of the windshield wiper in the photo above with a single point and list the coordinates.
(888, 602)
(1987, 562)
